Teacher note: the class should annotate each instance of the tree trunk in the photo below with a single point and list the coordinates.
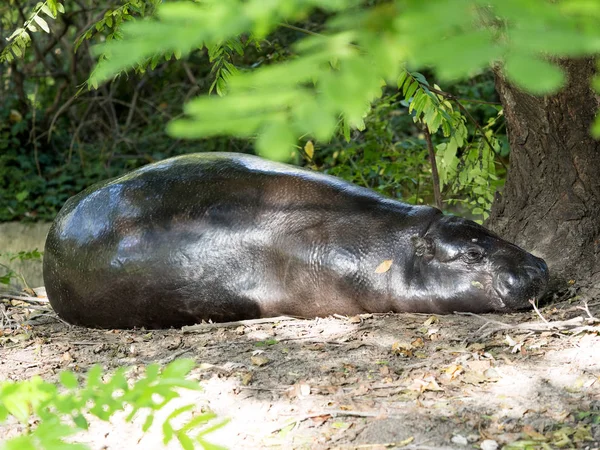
(551, 200)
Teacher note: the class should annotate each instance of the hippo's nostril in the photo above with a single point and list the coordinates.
(507, 281)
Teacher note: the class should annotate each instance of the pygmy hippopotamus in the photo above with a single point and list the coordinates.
(225, 236)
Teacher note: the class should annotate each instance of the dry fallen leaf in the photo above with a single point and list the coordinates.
(433, 334)
(532, 433)
(403, 349)
(320, 420)
(309, 149)
(259, 360)
(384, 266)
(431, 321)
(453, 371)
(246, 378)
(427, 383)
(317, 347)
(417, 342)
(362, 389)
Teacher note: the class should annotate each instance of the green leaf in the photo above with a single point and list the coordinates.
(21, 196)
(42, 23)
(148, 422)
(596, 127)
(197, 421)
(81, 422)
(47, 11)
(69, 380)
(17, 51)
(20, 443)
(276, 141)
(185, 441)
(401, 79)
(412, 88)
(535, 75)
(346, 130)
(94, 377)
(167, 432)
(558, 41)
(179, 411)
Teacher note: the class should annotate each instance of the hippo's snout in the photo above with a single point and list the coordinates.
(517, 284)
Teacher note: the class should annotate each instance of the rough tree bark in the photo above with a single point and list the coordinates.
(551, 200)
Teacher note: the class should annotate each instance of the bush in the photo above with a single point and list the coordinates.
(52, 413)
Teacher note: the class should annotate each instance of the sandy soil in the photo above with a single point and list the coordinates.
(365, 382)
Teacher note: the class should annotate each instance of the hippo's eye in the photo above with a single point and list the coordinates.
(473, 256)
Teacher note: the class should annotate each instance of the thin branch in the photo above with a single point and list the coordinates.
(133, 104)
(209, 326)
(32, 136)
(332, 414)
(434, 172)
(532, 301)
(58, 113)
(24, 298)
(570, 324)
(482, 102)
(301, 30)
(586, 308)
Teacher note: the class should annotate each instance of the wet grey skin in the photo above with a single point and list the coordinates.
(225, 236)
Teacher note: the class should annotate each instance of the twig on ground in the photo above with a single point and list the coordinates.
(253, 388)
(167, 359)
(25, 298)
(174, 356)
(210, 326)
(397, 445)
(9, 321)
(332, 413)
(532, 301)
(586, 308)
(527, 326)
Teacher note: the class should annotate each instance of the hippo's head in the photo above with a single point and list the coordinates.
(465, 267)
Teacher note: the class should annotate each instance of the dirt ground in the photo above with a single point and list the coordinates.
(367, 382)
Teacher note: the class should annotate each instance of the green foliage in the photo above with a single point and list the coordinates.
(23, 255)
(110, 23)
(220, 55)
(61, 411)
(26, 195)
(338, 74)
(110, 26)
(387, 156)
(20, 39)
(467, 168)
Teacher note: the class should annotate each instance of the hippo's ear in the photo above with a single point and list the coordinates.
(424, 246)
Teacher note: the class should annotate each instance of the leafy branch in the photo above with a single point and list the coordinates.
(61, 412)
(432, 107)
(114, 18)
(220, 55)
(20, 39)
